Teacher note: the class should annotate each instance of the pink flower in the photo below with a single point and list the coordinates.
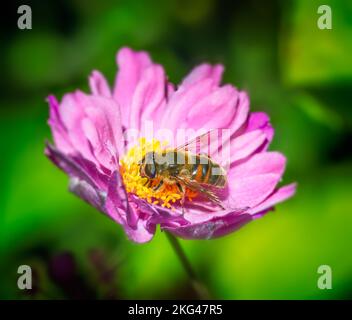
(90, 146)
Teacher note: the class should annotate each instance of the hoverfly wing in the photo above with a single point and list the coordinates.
(209, 194)
(200, 144)
(212, 144)
(197, 141)
(202, 189)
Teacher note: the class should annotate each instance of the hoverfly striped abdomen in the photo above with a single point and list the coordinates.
(206, 171)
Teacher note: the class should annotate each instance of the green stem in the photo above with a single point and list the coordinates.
(198, 287)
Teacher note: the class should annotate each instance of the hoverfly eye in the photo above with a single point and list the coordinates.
(150, 170)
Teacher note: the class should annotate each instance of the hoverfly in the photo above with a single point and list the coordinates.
(185, 169)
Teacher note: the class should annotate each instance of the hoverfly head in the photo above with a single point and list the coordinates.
(148, 166)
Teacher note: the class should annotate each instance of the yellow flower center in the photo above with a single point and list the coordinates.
(143, 186)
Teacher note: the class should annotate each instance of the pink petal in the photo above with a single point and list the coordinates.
(58, 129)
(244, 145)
(94, 128)
(181, 102)
(215, 227)
(260, 163)
(141, 233)
(241, 111)
(71, 110)
(279, 195)
(260, 120)
(141, 89)
(102, 127)
(149, 97)
(131, 67)
(215, 110)
(125, 213)
(250, 191)
(98, 85)
(85, 180)
(72, 113)
(87, 192)
(170, 90)
(196, 93)
(195, 215)
(202, 72)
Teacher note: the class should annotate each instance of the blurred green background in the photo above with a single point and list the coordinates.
(299, 74)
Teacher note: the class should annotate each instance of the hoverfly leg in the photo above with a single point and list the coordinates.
(182, 201)
(183, 192)
(158, 186)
